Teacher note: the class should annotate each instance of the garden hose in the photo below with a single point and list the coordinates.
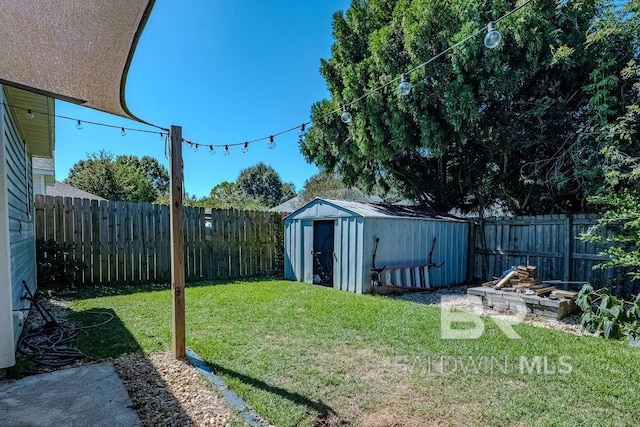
(52, 344)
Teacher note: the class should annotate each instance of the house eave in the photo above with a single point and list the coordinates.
(38, 132)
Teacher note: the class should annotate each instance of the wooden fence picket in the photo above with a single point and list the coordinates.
(124, 242)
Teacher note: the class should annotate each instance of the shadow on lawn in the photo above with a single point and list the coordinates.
(326, 416)
(128, 289)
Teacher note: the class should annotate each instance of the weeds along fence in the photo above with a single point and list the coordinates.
(550, 242)
(128, 243)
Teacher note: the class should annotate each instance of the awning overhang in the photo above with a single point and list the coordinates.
(77, 50)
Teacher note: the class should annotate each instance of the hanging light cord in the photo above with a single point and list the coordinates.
(29, 110)
(302, 126)
(164, 131)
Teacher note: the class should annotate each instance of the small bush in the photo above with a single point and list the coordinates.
(57, 268)
(609, 316)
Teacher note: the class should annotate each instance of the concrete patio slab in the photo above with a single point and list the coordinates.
(91, 395)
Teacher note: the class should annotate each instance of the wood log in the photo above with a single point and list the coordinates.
(503, 282)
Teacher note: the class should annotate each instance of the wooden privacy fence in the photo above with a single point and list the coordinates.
(550, 242)
(124, 242)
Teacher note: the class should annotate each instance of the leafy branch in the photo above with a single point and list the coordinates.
(609, 316)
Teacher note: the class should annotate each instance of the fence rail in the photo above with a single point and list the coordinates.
(550, 242)
(124, 242)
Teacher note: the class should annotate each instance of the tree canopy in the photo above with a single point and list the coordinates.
(126, 178)
(618, 228)
(515, 125)
(263, 183)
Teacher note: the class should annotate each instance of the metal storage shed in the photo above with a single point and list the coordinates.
(332, 241)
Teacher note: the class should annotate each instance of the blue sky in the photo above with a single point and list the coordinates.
(226, 71)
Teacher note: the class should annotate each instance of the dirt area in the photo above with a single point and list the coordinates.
(456, 297)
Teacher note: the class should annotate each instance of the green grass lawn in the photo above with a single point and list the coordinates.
(301, 354)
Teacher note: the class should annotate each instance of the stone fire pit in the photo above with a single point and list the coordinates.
(490, 298)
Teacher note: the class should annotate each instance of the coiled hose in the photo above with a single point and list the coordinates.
(52, 344)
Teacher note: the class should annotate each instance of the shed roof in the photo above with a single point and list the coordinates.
(77, 51)
(373, 210)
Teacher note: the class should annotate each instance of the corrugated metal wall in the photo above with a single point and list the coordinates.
(348, 267)
(406, 242)
(403, 242)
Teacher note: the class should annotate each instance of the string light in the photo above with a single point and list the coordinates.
(492, 40)
(272, 142)
(404, 87)
(346, 116)
(123, 132)
(245, 148)
(212, 149)
(79, 125)
(32, 114)
(493, 37)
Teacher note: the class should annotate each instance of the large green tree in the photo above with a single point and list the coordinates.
(125, 178)
(617, 124)
(508, 125)
(264, 183)
(228, 195)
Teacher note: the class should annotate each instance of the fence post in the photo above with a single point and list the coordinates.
(177, 243)
(568, 247)
(471, 253)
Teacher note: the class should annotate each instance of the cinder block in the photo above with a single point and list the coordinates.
(531, 299)
(519, 307)
(475, 300)
(566, 308)
(498, 303)
(550, 303)
(477, 291)
(546, 313)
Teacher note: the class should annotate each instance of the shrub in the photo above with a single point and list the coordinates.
(57, 267)
(609, 316)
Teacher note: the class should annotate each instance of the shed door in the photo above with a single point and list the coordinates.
(307, 251)
(323, 252)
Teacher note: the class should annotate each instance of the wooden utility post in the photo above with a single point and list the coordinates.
(177, 243)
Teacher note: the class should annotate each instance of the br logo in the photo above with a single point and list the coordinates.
(456, 324)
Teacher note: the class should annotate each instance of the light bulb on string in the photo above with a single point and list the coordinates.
(30, 114)
(162, 136)
(303, 127)
(493, 37)
(404, 87)
(272, 142)
(245, 148)
(123, 132)
(226, 150)
(212, 149)
(194, 146)
(346, 116)
(79, 125)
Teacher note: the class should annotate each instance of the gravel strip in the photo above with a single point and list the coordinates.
(170, 392)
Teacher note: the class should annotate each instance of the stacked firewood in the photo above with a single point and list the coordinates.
(523, 279)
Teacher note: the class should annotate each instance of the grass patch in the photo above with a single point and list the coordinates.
(305, 355)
